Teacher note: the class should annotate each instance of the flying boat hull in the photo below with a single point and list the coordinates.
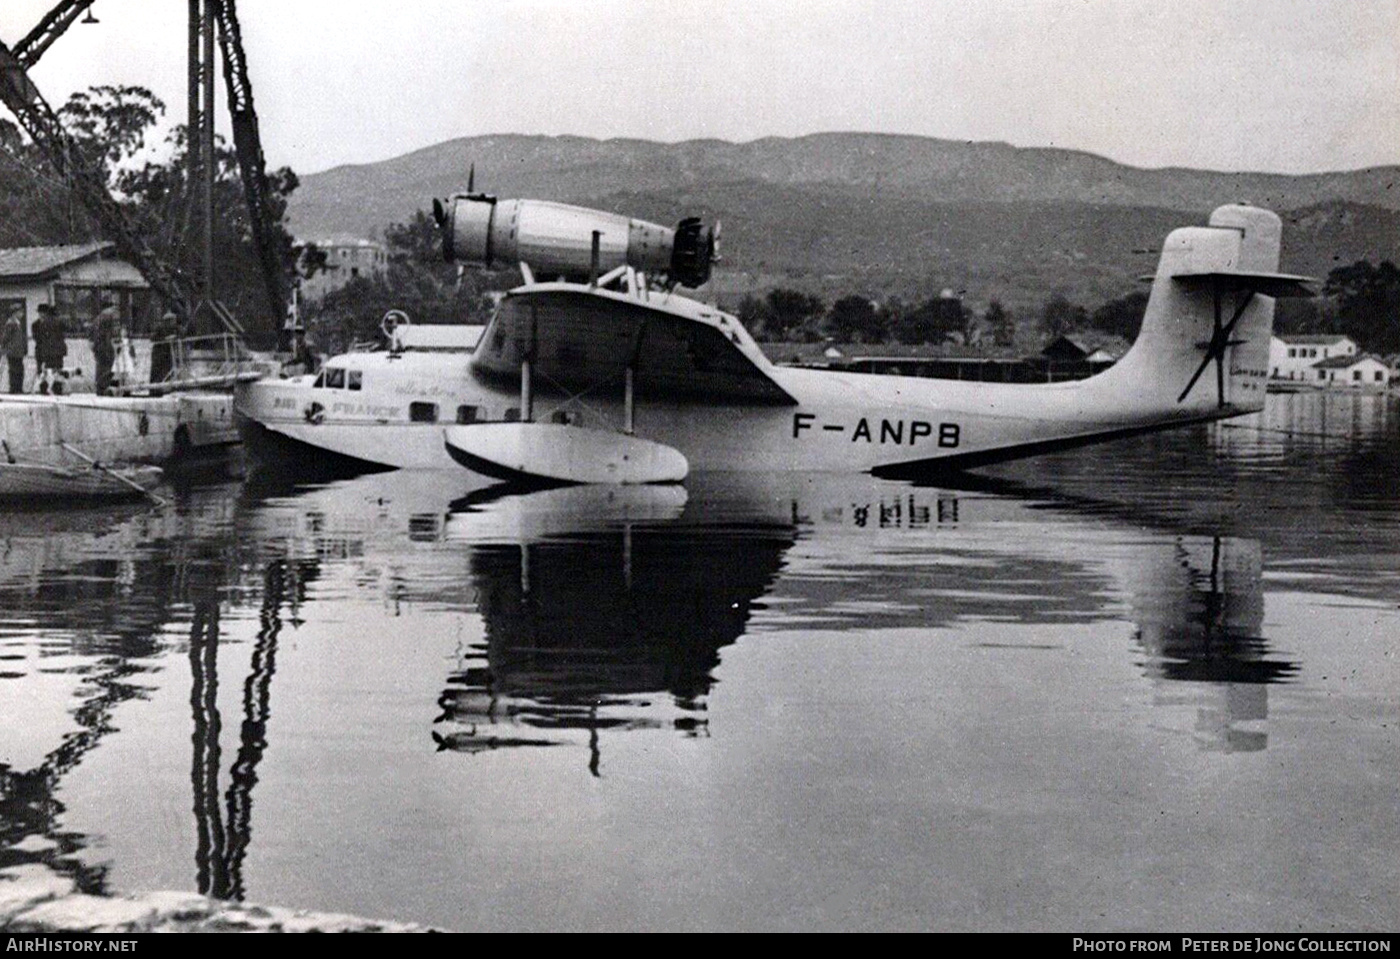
(605, 356)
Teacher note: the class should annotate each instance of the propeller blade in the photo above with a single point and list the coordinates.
(439, 212)
(471, 179)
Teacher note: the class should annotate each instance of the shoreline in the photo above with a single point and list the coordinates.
(37, 898)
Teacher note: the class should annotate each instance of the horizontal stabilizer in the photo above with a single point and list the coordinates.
(1277, 285)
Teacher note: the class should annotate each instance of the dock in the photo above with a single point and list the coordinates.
(146, 429)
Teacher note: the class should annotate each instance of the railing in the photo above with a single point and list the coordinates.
(204, 362)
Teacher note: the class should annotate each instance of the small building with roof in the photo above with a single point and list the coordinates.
(1353, 372)
(1295, 356)
(77, 280)
(1096, 349)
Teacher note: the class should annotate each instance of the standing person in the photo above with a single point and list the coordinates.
(104, 353)
(302, 351)
(50, 348)
(162, 347)
(14, 345)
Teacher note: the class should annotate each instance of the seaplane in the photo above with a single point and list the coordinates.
(597, 370)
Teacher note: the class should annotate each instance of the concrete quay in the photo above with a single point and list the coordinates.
(35, 898)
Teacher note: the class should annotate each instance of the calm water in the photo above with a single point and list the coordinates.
(1152, 685)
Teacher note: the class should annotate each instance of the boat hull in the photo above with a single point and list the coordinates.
(38, 482)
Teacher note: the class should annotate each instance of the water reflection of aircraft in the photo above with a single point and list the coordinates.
(1197, 606)
(605, 614)
(601, 604)
(603, 611)
(1200, 623)
(601, 375)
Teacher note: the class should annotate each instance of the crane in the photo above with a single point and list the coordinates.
(47, 30)
(88, 184)
(247, 145)
(19, 93)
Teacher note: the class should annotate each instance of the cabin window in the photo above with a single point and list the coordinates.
(1322, 374)
(355, 379)
(1380, 376)
(512, 415)
(466, 414)
(1356, 374)
(335, 378)
(422, 412)
(1292, 352)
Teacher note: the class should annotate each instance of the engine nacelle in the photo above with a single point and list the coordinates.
(556, 239)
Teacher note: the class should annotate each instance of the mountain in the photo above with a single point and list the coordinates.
(850, 212)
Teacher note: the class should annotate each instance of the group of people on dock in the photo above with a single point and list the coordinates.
(50, 348)
(105, 335)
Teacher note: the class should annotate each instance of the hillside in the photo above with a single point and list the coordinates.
(883, 214)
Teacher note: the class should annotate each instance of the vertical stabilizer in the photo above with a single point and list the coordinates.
(1204, 345)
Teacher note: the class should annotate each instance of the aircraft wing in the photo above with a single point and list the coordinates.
(1269, 284)
(583, 339)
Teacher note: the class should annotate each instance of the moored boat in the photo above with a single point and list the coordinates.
(41, 481)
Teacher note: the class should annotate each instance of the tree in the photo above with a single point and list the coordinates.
(1060, 317)
(418, 281)
(755, 315)
(853, 319)
(1000, 323)
(36, 207)
(792, 312)
(1121, 317)
(112, 127)
(1367, 300)
(111, 124)
(933, 321)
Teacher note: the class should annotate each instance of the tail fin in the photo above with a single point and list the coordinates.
(1204, 345)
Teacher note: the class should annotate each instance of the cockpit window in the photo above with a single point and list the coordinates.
(355, 379)
(320, 381)
(335, 378)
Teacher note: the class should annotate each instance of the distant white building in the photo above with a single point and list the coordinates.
(1352, 371)
(347, 257)
(1294, 357)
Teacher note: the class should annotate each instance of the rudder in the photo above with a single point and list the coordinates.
(1207, 309)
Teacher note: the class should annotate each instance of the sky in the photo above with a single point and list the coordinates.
(1289, 86)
